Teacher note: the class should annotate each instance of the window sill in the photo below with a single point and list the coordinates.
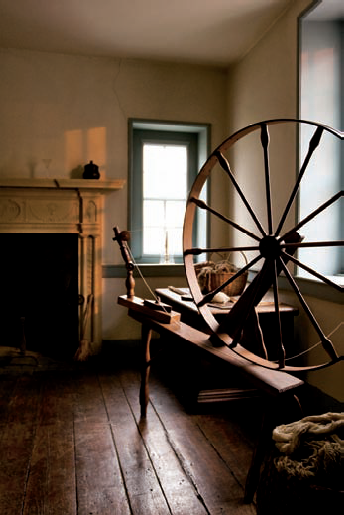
(314, 288)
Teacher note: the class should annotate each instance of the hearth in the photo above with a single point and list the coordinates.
(40, 292)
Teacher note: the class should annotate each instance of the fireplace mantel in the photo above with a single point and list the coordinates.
(45, 205)
(62, 183)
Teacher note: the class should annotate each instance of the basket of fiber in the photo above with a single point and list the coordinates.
(211, 275)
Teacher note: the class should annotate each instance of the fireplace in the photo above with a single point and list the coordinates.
(39, 292)
(50, 234)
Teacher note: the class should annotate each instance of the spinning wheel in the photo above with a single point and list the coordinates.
(271, 247)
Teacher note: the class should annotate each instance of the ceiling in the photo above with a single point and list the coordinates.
(211, 32)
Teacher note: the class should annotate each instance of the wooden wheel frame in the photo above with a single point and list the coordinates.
(273, 247)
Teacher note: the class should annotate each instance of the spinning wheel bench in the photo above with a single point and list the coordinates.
(271, 382)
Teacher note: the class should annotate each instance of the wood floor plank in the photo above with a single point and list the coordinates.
(100, 488)
(58, 399)
(114, 397)
(144, 490)
(17, 443)
(220, 491)
(15, 452)
(214, 481)
(24, 401)
(7, 385)
(73, 443)
(180, 494)
(51, 482)
(225, 435)
(89, 405)
(142, 482)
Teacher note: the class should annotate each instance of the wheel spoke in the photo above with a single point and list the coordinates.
(225, 165)
(208, 297)
(313, 272)
(314, 213)
(281, 349)
(314, 142)
(195, 251)
(305, 244)
(265, 139)
(326, 343)
(243, 319)
(203, 205)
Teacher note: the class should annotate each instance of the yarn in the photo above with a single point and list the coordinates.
(311, 448)
(304, 472)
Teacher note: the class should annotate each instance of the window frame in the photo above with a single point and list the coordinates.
(196, 136)
(311, 285)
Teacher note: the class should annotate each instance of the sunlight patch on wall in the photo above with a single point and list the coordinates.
(83, 146)
(74, 155)
(96, 146)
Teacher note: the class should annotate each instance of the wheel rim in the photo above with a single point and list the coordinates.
(273, 244)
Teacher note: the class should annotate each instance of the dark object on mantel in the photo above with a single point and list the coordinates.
(91, 171)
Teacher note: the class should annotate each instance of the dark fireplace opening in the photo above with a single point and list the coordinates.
(39, 294)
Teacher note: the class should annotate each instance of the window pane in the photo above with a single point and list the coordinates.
(175, 211)
(321, 70)
(164, 192)
(153, 213)
(175, 241)
(164, 219)
(154, 241)
(164, 171)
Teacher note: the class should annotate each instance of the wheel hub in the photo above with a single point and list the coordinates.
(269, 247)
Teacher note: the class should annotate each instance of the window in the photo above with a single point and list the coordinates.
(165, 159)
(321, 100)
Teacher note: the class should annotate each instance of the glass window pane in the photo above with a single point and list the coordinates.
(164, 171)
(163, 219)
(320, 99)
(153, 213)
(164, 179)
(175, 211)
(154, 241)
(175, 241)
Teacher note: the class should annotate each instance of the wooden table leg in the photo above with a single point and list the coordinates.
(260, 451)
(146, 334)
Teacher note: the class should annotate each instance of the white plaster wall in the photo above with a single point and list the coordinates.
(264, 85)
(70, 109)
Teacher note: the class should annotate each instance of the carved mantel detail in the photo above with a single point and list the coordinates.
(63, 206)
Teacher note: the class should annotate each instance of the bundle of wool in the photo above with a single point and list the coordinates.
(304, 472)
(312, 447)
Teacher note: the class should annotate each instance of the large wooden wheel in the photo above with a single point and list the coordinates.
(270, 246)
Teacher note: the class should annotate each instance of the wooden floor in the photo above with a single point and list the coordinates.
(72, 442)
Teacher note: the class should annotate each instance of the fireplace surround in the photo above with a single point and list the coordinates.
(67, 206)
